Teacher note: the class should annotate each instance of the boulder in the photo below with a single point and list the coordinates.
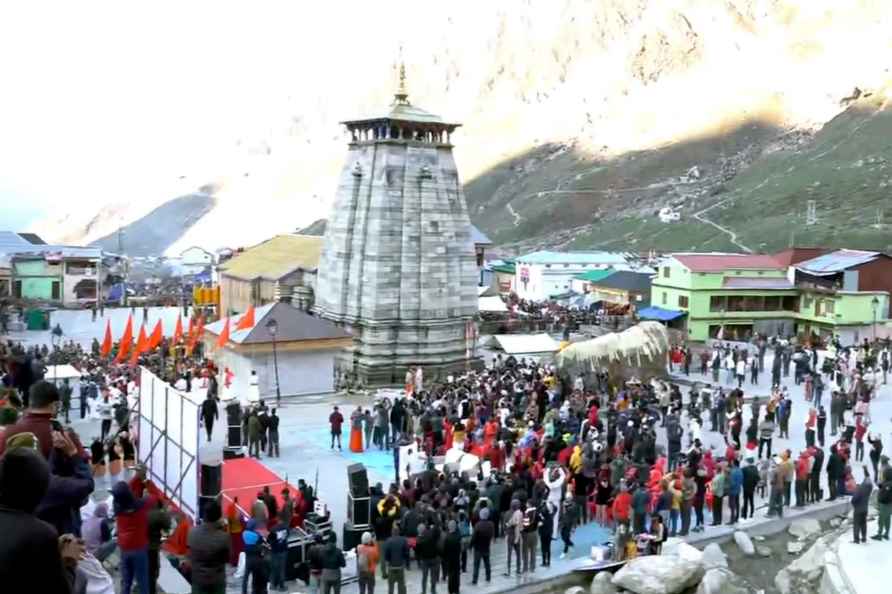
(810, 565)
(689, 553)
(743, 541)
(795, 547)
(782, 581)
(575, 590)
(804, 528)
(658, 574)
(763, 551)
(602, 584)
(714, 557)
(720, 581)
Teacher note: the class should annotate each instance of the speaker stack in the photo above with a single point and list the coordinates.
(359, 513)
(234, 446)
(210, 484)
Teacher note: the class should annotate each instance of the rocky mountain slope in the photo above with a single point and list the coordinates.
(581, 120)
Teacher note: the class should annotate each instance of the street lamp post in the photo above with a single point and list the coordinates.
(56, 340)
(875, 302)
(273, 328)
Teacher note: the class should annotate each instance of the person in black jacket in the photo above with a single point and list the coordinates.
(546, 530)
(273, 433)
(814, 479)
(209, 552)
(209, 414)
(71, 483)
(835, 472)
(481, 538)
(332, 562)
(428, 555)
(30, 555)
(452, 551)
(750, 481)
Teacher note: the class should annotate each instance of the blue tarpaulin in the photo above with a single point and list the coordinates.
(658, 313)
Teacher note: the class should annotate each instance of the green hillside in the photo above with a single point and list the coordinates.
(750, 190)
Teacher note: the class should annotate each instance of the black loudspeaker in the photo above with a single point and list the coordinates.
(358, 480)
(211, 481)
(359, 510)
(234, 436)
(234, 414)
(352, 536)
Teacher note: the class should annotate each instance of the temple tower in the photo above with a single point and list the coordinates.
(398, 263)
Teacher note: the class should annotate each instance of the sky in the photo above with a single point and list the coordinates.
(103, 98)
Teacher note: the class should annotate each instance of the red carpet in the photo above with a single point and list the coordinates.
(245, 477)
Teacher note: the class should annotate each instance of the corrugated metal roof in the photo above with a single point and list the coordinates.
(721, 262)
(594, 276)
(11, 242)
(756, 282)
(625, 280)
(32, 238)
(548, 257)
(276, 257)
(837, 261)
(293, 325)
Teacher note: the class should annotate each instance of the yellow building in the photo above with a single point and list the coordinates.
(283, 266)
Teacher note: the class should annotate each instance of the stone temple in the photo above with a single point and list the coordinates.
(398, 266)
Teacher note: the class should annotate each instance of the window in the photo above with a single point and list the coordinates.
(17, 289)
(718, 303)
(56, 290)
(664, 298)
(772, 303)
(791, 303)
(683, 301)
(665, 272)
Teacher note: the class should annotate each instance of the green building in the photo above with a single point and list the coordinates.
(799, 291)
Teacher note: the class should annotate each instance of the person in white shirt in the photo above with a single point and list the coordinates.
(741, 371)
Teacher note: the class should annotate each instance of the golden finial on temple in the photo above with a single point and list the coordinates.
(402, 95)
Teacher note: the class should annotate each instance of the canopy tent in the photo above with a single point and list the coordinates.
(518, 344)
(60, 372)
(492, 304)
(638, 351)
(660, 314)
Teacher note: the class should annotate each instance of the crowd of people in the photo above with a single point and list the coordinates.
(549, 455)
(638, 457)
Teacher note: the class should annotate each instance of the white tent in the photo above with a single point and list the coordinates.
(492, 304)
(60, 372)
(521, 344)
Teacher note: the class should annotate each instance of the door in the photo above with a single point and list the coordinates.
(56, 291)
(17, 289)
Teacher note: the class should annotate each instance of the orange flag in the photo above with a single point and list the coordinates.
(107, 341)
(126, 339)
(191, 328)
(142, 345)
(224, 336)
(178, 331)
(156, 336)
(195, 336)
(247, 321)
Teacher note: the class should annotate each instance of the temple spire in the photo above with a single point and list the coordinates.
(401, 97)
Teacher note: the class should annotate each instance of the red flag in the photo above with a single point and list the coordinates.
(191, 327)
(156, 336)
(126, 339)
(195, 334)
(107, 341)
(247, 321)
(178, 331)
(224, 336)
(142, 345)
